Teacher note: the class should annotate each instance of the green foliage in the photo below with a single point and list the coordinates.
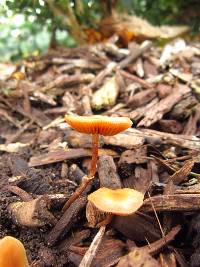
(20, 40)
(161, 12)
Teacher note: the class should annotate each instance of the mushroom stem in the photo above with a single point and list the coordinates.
(88, 179)
(95, 143)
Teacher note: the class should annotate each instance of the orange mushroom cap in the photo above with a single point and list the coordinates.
(98, 124)
(117, 201)
(12, 253)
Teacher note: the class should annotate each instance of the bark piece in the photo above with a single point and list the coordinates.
(29, 179)
(138, 156)
(177, 202)
(140, 180)
(141, 98)
(78, 140)
(32, 213)
(184, 107)
(155, 137)
(150, 69)
(124, 140)
(138, 258)
(192, 124)
(145, 227)
(165, 105)
(164, 90)
(140, 112)
(109, 253)
(181, 175)
(74, 239)
(36, 115)
(171, 126)
(69, 101)
(62, 154)
(156, 246)
(92, 250)
(108, 175)
(66, 221)
(66, 80)
(75, 173)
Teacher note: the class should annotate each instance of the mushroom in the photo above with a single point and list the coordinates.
(12, 253)
(105, 202)
(95, 125)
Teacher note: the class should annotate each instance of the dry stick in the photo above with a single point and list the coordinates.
(91, 252)
(135, 53)
(113, 66)
(87, 179)
(20, 192)
(154, 210)
(134, 78)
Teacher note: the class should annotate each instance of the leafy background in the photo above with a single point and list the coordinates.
(29, 27)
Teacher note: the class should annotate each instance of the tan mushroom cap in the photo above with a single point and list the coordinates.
(98, 124)
(12, 253)
(118, 201)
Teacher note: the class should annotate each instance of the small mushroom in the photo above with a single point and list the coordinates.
(105, 201)
(12, 253)
(95, 125)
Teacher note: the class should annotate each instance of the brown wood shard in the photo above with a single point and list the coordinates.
(179, 202)
(108, 173)
(181, 175)
(66, 221)
(165, 105)
(63, 154)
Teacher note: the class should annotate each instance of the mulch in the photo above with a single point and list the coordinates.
(43, 160)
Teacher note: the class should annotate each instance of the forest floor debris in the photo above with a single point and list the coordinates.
(43, 160)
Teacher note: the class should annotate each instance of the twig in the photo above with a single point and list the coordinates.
(154, 210)
(20, 192)
(134, 78)
(135, 53)
(91, 252)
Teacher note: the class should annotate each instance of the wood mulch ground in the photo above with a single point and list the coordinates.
(42, 160)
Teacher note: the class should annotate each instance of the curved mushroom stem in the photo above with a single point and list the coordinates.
(95, 143)
(88, 179)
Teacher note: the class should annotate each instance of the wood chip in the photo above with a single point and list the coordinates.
(109, 253)
(145, 227)
(108, 175)
(61, 155)
(124, 140)
(141, 98)
(66, 221)
(165, 105)
(33, 213)
(138, 258)
(92, 251)
(181, 175)
(179, 202)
